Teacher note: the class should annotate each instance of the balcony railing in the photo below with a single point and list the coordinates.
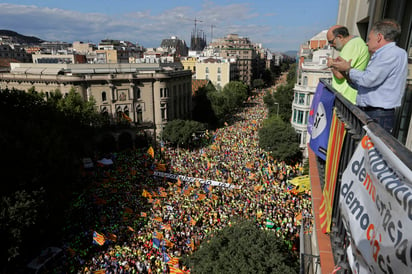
(354, 120)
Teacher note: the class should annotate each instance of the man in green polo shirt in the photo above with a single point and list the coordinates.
(350, 47)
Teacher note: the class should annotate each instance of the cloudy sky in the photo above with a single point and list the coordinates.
(279, 25)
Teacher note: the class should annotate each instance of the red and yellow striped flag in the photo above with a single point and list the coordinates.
(150, 151)
(159, 219)
(98, 238)
(174, 262)
(125, 116)
(335, 143)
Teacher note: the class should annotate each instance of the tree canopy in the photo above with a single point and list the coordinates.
(243, 248)
(280, 140)
(202, 107)
(182, 132)
(42, 144)
(229, 99)
(280, 101)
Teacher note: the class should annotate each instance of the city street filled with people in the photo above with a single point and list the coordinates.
(136, 222)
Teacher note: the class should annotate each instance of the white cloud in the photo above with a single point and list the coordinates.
(148, 28)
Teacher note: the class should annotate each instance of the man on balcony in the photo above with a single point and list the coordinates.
(382, 84)
(350, 48)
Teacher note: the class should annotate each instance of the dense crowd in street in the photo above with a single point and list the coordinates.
(148, 222)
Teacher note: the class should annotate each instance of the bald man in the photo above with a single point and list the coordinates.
(350, 47)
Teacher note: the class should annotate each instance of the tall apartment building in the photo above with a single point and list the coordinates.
(83, 48)
(14, 52)
(234, 46)
(311, 68)
(190, 64)
(218, 70)
(116, 51)
(150, 94)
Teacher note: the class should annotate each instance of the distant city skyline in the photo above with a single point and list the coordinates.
(277, 25)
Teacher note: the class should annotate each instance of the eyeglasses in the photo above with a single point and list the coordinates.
(332, 41)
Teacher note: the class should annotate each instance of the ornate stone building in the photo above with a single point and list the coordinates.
(150, 94)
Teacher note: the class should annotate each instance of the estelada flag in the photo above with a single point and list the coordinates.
(150, 151)
(157, 235)
(98, 238)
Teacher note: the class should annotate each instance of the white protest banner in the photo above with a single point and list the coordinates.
(192, 180)
(376, 207)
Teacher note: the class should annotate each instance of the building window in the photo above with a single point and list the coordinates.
(294, 115)
(299, 118)
(161, 93)
(305, 81)
(299, 136)
(409, 43)
(163, 111)
(207, 70)
(126, 111)
(296, 98)
(307, 99)
(218, 78)
(104, 96)
(219, 70)
(119, 112)
(138, 93)
(301, 98)
(139, 114)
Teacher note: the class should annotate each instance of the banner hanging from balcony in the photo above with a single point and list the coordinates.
(376, 209)
(336, 138)
(319, 120)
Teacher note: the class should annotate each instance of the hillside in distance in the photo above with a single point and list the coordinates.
(19, 38)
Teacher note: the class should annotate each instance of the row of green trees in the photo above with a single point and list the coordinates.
(212, 109)
(277, 136)
(42, 144)
(243, 247)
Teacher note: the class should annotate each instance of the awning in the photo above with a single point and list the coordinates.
(19, 70)
(52, 71)
(35, 70)
(82, 71)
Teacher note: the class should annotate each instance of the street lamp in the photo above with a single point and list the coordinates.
(277, 109)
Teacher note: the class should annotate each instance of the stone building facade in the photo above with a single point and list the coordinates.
(150, 94)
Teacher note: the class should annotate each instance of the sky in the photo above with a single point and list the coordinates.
(279, 25)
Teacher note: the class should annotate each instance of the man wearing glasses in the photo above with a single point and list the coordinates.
(381, 85)
(350, 48)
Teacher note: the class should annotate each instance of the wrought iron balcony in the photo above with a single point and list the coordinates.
(339, 239)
